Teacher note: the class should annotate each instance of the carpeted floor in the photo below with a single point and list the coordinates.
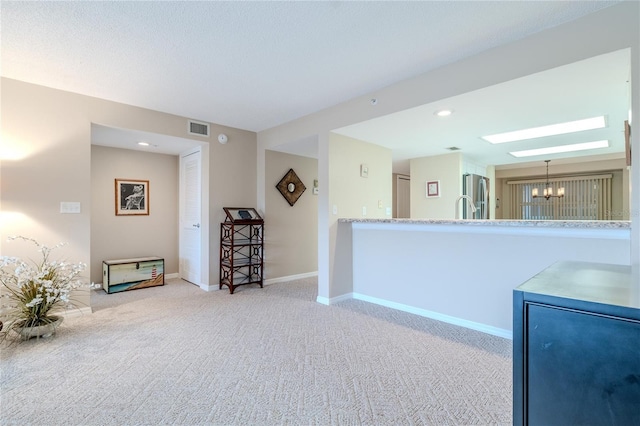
(177, 355)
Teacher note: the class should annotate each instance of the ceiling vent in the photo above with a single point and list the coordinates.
(198, 128)
(453, 148)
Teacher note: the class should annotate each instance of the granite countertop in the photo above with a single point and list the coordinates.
(593, 224)
(592, 282)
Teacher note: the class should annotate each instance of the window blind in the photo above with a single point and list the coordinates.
(586, 198)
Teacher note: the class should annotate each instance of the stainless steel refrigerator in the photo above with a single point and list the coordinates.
(476, 187)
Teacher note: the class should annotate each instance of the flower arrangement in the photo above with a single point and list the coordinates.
(36, 291)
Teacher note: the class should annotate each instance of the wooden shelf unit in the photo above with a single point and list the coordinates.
(241, 248)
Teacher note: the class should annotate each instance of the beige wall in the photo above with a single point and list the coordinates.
(46, 157)
(291, 232)
(45, 160)
(232, 183)
(118, 237)
(448, 170)
(349, 193)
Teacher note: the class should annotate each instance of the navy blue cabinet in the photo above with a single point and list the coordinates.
(576, 347)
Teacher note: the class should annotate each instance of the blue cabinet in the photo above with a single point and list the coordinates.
(576, 347)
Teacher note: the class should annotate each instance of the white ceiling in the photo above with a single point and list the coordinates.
(255, 65)
(594, 87)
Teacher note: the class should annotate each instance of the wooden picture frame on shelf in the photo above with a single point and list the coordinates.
(132, 197)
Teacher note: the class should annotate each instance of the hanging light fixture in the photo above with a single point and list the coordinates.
(548, 190)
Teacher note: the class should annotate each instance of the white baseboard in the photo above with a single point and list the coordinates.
(495, 331)
(323, 300)
(291, 278)
(214, 287)
(333, 300)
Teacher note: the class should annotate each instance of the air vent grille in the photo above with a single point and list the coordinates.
(198, 128)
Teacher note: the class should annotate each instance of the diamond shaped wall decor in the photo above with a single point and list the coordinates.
(291, 187)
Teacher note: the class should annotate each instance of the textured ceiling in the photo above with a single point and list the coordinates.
(254, 65)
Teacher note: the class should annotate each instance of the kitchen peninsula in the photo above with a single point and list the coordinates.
(464, 271)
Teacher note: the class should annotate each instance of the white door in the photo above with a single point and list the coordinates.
(191, 228)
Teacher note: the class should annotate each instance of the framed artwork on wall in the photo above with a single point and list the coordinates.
(132, 197)
(291, 187)
(433, 188)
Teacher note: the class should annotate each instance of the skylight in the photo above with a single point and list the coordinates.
(550, 130)
(561, 148)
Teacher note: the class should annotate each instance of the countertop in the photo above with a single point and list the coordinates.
(582, 224)
(592, 282)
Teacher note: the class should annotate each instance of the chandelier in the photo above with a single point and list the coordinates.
(548, 190)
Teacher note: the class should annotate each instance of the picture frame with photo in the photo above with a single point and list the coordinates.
(132, 197)
(433, 188)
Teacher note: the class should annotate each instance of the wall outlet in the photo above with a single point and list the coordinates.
(364, 210)
(379, 204)
(335, 209)
(388, 211)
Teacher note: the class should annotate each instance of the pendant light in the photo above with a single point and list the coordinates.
(548, 190)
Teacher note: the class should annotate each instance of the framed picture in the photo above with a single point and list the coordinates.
(132, 197)
(433, 188)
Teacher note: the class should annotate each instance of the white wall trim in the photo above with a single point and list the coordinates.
(215, 287)
(495, 331)
(291, 278)
(323, 300)
(334, 300)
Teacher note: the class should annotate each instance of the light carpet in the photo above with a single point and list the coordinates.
(175, 355)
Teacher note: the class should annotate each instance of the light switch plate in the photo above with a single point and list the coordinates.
(69, 207)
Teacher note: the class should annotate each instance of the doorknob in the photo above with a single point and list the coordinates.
(197, 225)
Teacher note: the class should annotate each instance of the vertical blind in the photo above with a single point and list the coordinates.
(586, 198)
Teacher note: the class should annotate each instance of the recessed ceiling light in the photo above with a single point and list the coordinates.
(143, 144)
(443, 113)
(551, 130)
(561, 148)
